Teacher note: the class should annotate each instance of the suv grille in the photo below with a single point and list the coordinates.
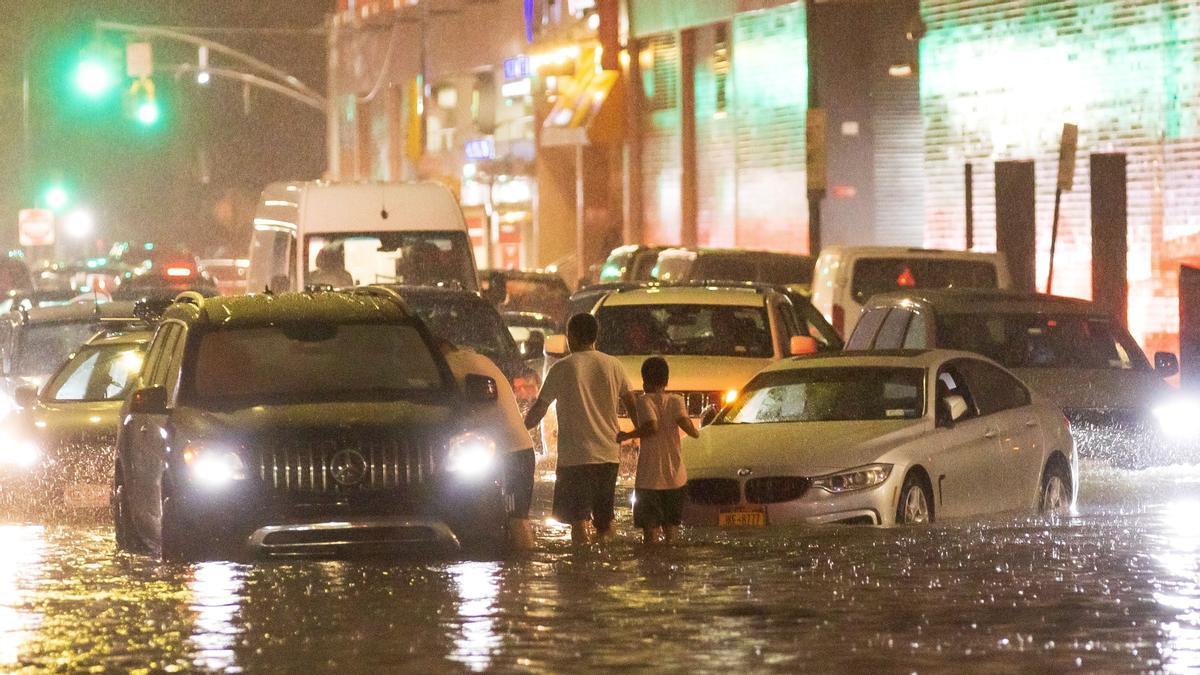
(344, 466)
(695, 401)
(714, 491)
(775, 489)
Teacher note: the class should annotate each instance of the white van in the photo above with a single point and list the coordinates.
(847, 276)
(348, 234)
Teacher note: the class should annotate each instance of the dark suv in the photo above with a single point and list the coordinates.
(304, 423)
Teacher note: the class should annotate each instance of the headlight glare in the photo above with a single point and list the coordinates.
(213, 466)
(19, 453)
(1179, 418)
(470, 455)
(859, 478)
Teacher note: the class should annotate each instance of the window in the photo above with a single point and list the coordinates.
(917, 337)
(864, 331)
(658, 67)
(679, 329)
(950, 382)
(414, 258)
(720, 67)
(724, 268)
(994, 390)
(831, 394)
(102, 373)
(1043, 340)
(891, 335)
(44, 347)
(881, 275)
(270, 255)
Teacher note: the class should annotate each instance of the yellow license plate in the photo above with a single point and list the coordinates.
(743, 518)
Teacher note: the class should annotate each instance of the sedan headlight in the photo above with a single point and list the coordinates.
(1179, 418)
(213, 466)
(850, 480)
(470, 455)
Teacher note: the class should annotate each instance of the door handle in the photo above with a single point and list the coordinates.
(1031, 423)
(991, 433)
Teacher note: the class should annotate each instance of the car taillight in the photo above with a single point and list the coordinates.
(839, 320)
(525, 387)
(179, 272)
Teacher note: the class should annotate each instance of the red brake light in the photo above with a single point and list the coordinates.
(179, 272)
(906, 279)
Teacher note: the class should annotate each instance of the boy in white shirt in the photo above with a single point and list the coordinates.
(661, 476)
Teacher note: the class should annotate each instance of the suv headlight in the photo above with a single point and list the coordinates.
(859, 478)
(213, 465)
(470, 455)
(1179, 418)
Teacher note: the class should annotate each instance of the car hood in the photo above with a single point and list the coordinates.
(313, 418)
(1104, 389)
(699, 373)
(803, 448)
(76, 419)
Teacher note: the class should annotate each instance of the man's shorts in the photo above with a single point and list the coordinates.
(518, 482)
(658, 508)
(585, 492)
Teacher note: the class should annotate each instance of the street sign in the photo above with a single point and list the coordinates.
(139, 60)
(35, 227)
(1066, 157)
(816, 154)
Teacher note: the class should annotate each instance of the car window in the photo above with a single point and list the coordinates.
(872, 276)
(679, 329)
(468, 322)
(42, 348)
(784, 270)
(891, 334)
(951, 382)
(917, 336)
(811, 323)
(864, 331)
(994, 390)
(830, 394)
(1042, 340)
(724, 268)
(102, 373)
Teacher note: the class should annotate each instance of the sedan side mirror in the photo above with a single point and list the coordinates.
(708, 416)
(556, 346)
(1166, 364)
(149, 401)
(951, 409)
(26, 396)
(802, 345)
(480, 388)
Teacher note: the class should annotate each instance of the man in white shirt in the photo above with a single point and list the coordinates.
(587, 386)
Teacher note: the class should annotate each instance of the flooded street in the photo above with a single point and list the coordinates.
(1118, 587)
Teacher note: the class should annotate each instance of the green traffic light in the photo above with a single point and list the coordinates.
(56, 197)
(94, 78)
(148, 113)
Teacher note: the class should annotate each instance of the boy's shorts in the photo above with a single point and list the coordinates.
(518, 482)
(586, 492)
(658, 508)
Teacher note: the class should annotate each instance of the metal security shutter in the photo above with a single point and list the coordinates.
(661, 168)
(899, 169)
(998, 79)
(770, 74)
(716, 182)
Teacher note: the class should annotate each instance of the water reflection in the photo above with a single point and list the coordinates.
(478, 585)
(216, 589)
(22, 548)
(1180, 558)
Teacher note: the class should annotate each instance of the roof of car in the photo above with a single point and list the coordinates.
(267, 308)
(75, 312)
(896, 358)
(529, 275)
(715, 294)
(713, 251)
(983, 301)
(904, 251)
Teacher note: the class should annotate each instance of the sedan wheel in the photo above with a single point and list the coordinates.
(915, 502)
(1056, 494)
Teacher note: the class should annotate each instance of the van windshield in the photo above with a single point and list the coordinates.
(412, 258)
(884, 275)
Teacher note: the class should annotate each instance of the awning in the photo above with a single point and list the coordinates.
(590, 112)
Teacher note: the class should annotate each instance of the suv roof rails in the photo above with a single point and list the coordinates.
(381, 292)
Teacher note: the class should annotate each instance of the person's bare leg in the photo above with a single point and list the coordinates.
(520, 534)
(606, 534)
(580, 535)
(670, 534)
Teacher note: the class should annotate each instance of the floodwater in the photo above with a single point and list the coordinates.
(1115, 588)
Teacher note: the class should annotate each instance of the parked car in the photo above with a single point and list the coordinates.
(530, 331)
(630, 263)
(847, 276)
(1066, 349)
(584, 300)
(883, 439)
(58, 448)
(677, 265)
(35, 342)
(520, 291)
(304, 423)
(165, 283)
(228, 274)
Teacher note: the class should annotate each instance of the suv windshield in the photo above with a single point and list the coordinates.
(296, 363)
(470, 323)
(700, 330)
(831, 395)
(44, 347)
(1043, 340)
(101, 373)
(413, 258)
(883, 275)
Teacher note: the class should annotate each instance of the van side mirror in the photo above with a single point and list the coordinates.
(480, 388)
(534, 345)
(149, 401)
(26, 396)
(803, 345)
(708, 416)
(950, 410)
(556, 346)
(1166, 364)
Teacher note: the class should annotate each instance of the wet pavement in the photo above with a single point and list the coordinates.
(1117, 587)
